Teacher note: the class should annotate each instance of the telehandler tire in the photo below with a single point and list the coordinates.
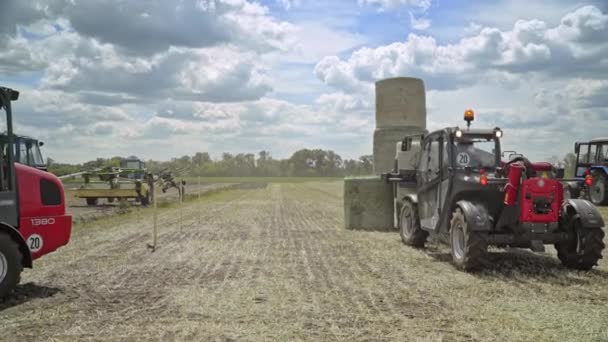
(10, 265)
(409, 226)
(468, 247)
(584, 250)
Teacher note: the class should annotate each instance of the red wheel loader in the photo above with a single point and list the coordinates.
(33, 221)
(459, 189)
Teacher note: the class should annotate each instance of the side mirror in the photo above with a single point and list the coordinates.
(40, 143)
(577, 148)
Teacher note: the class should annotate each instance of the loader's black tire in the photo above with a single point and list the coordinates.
(110, 199)
(584, 250)
(10, 265)
(469, 248)
(409, 226)
(598, 192)
(91, 201)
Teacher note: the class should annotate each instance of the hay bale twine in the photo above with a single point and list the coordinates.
(385, 145)
(368, 204)
(400, 101)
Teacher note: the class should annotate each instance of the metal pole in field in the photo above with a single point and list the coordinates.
(181, 204)
(199, 200)
(154, 220)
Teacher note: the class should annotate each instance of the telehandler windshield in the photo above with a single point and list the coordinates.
(475, 153)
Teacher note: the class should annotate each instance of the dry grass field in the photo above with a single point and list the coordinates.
(274, 263)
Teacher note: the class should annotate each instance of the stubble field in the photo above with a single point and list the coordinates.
(273, 262)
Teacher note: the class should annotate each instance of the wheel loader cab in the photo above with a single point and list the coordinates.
(452, 166)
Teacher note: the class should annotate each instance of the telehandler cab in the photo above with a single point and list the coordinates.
(459, 189)
(33, 221)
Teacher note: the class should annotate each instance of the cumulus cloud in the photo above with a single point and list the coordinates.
(420, 24)
(576, 46)
(153, 26)
(392, 4)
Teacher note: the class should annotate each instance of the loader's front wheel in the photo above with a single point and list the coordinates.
(409, 226)
(10, 265)
(468, 247)
(583, 251)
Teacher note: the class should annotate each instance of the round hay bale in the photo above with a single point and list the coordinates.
(385, 146)
(368, 204)
(400, 101)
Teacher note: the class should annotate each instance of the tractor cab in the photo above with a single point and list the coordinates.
(592, 162)
(454, 164)
(26, 151)
(133, 168)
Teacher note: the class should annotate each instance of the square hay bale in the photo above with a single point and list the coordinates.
(385, 146)
(368, 204)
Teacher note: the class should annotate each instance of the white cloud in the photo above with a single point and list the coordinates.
(420, 24)
(576, 45)
(392, 4)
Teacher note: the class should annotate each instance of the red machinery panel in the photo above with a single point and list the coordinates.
(541, 200)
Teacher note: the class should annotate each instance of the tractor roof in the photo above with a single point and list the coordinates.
(599, 140)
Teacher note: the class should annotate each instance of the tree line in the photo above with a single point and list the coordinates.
(303, 163)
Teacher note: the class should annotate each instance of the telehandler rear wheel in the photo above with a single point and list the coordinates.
(10, 265)
(584, 250)
(409, 226)
(468, 247)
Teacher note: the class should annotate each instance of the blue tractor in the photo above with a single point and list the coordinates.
(592, 165)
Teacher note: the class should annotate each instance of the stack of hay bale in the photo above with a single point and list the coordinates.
(400, 111)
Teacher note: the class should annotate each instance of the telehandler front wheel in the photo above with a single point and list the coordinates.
(409, 226)
(583, 251)
(10, 265)
(468, 247)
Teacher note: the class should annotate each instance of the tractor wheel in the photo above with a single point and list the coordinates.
(598, 192)
(584, 250)
(92, 201)
(10, 265)
(409, 226)
(468, 247)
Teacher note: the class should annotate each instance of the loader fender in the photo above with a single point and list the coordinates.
(588, 213)
(16, 236)
(476, 216)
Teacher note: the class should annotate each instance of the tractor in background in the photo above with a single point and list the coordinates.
(591, 160)
(453, 183)
(33, 221)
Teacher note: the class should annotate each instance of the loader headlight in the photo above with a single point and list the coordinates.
(458, 133)
(498, 133)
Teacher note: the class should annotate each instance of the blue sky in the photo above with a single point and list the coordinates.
(161, 79)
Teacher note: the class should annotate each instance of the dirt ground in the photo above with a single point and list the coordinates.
(81, 212)
(274, 263)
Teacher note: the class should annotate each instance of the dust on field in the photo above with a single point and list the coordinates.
(274, 263)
